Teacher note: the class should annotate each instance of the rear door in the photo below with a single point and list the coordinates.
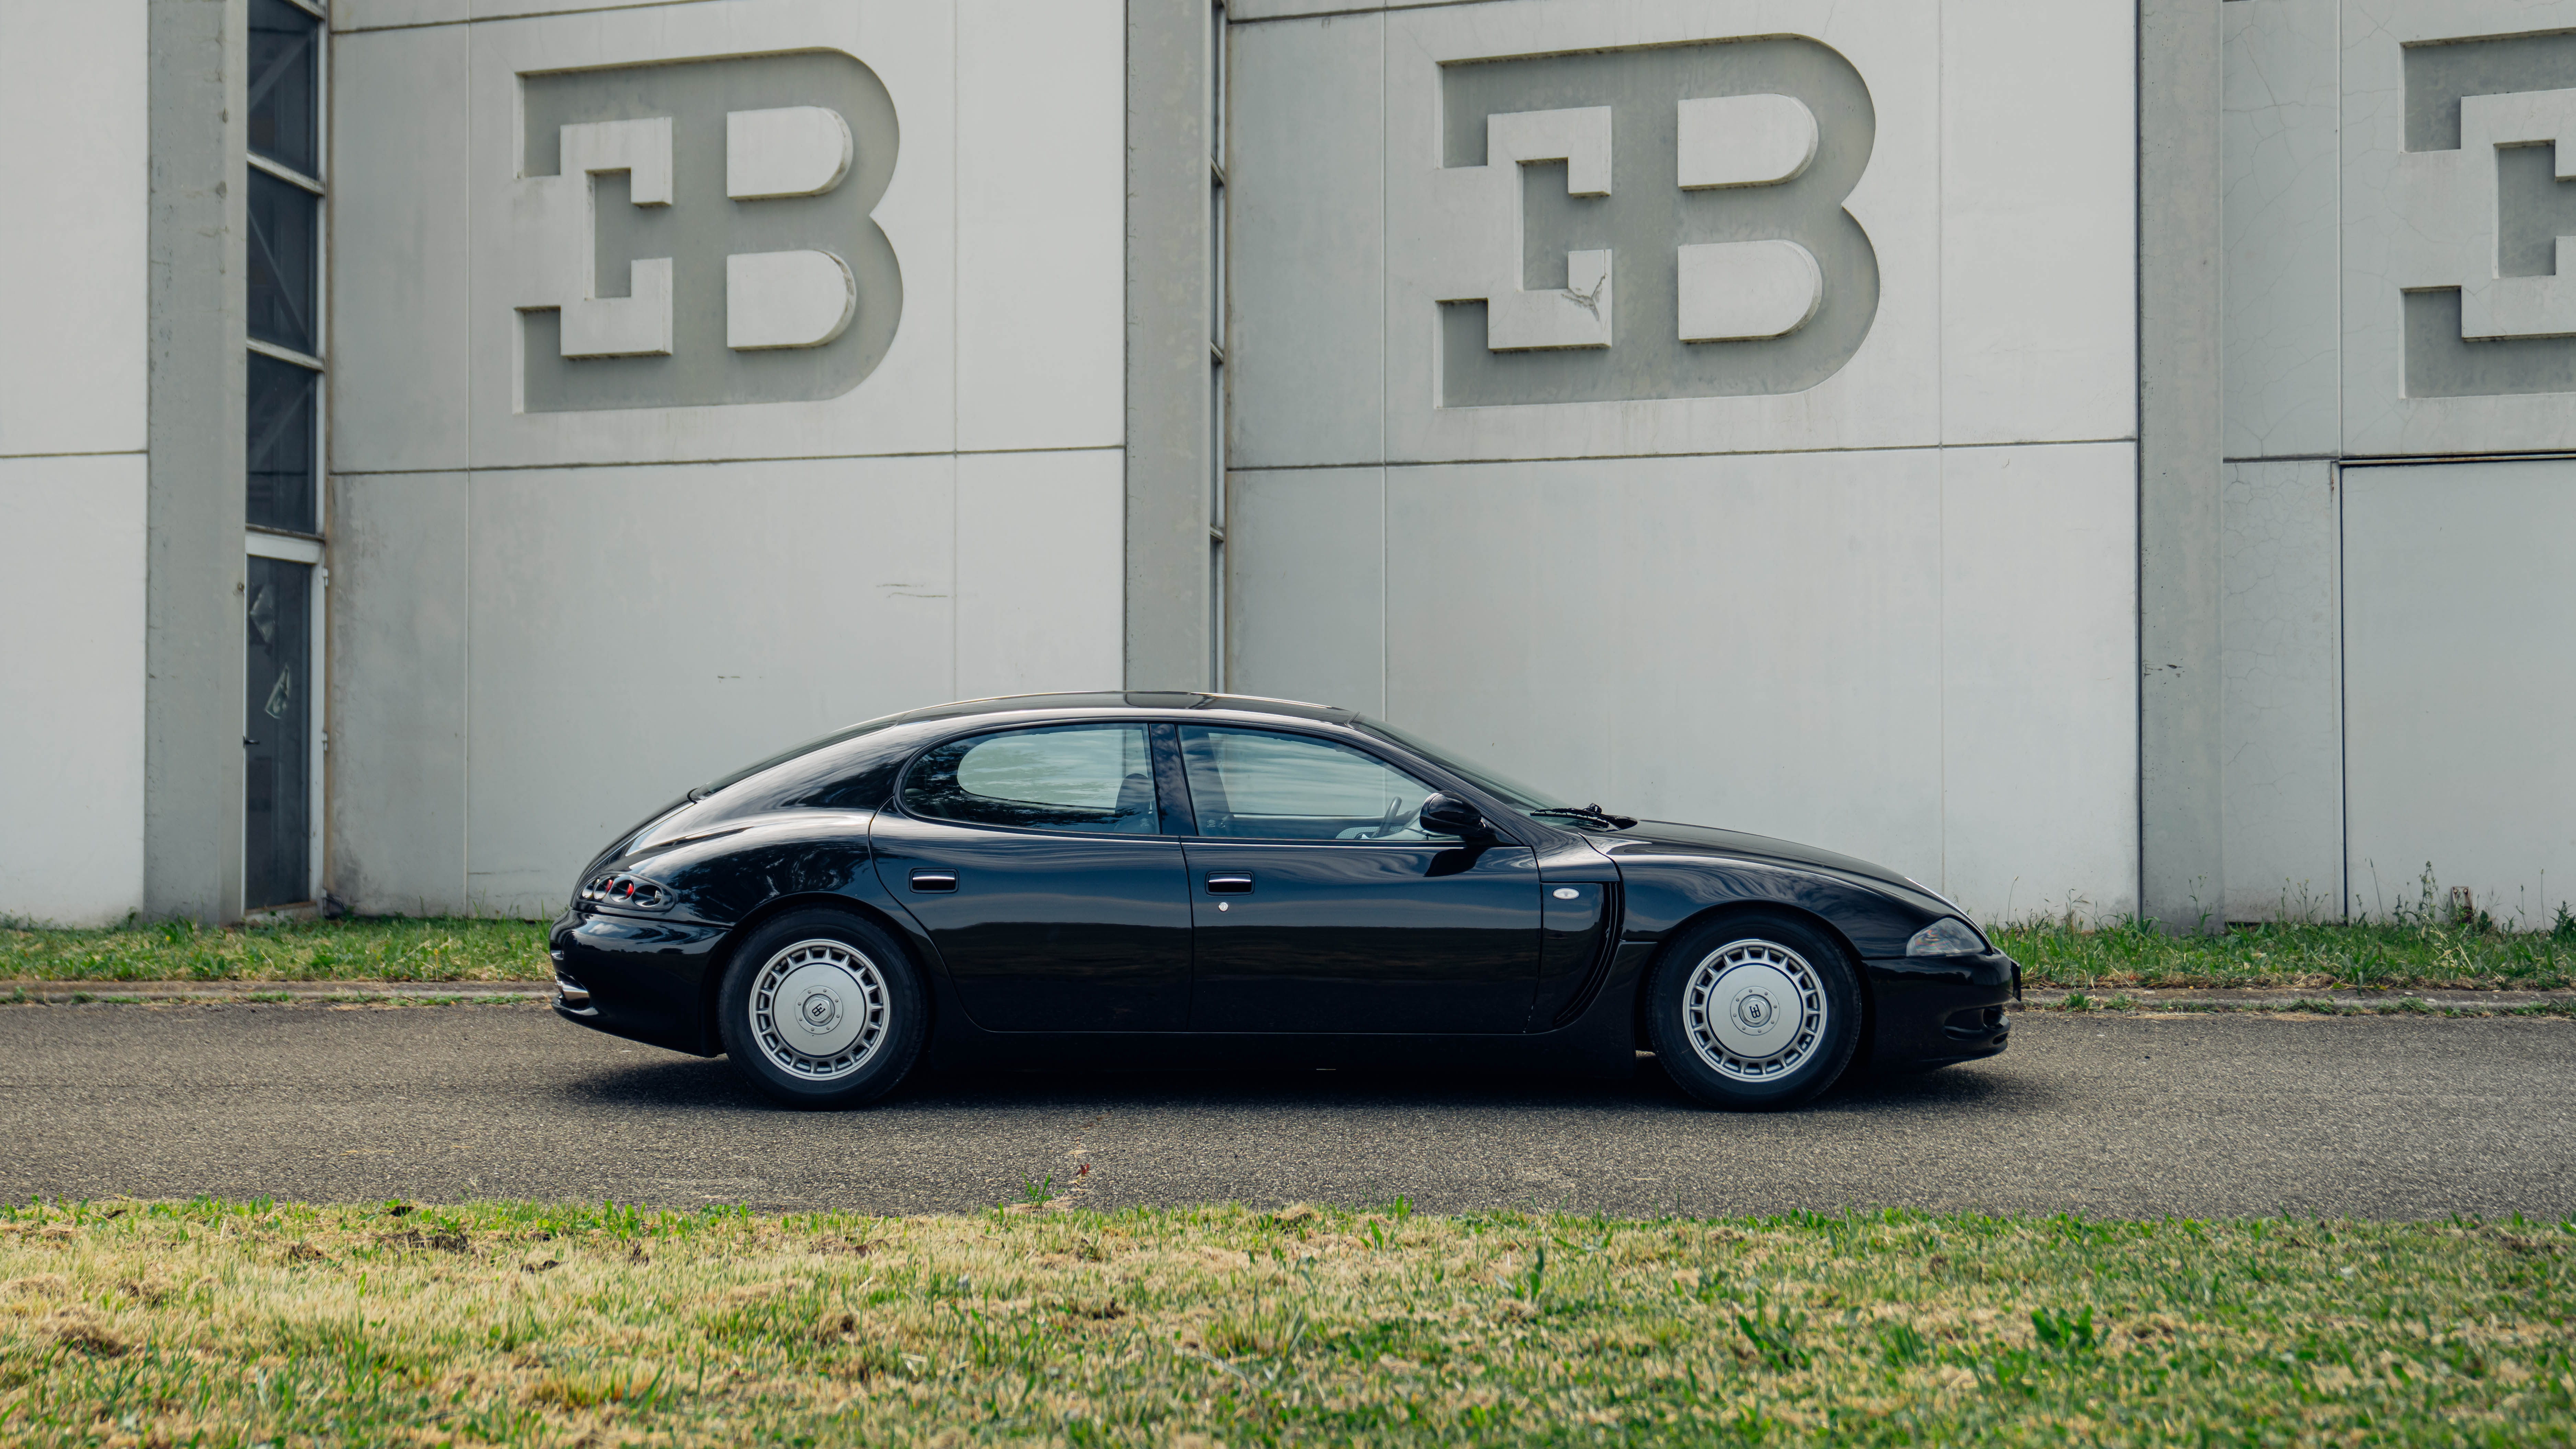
(1038, 861)
(1318, 904)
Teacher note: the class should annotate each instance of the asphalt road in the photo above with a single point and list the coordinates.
(2198, 1116)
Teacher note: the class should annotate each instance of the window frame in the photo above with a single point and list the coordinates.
(1164, 814)
(293, 546)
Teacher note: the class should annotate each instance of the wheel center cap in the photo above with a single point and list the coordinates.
(1753, 1012)
(820, 1013)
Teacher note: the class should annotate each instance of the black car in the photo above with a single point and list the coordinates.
(1122, 879)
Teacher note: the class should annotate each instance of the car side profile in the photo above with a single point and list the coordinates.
(1200, 879)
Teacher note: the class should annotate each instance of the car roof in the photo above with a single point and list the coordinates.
(1158, 701)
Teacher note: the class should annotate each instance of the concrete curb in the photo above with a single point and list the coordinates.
(284, 993)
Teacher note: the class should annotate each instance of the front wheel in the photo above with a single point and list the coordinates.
(1754, 1012)
(821, 1009)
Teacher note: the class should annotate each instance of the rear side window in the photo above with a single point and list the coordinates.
(1095, 778)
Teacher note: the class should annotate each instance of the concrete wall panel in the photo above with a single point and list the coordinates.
(2038, 222)
(2281, 624)
(73, 90)
(2283, 369)
(71, 689)
(398, 712)
(906, 404)
(401, 294)
(1306, 345)
(1444, 232)
(2457, 684)
(351, 16)
(1306, 550)
(636, 631)
(2420, 224)
(2039, 695)
(1041, 147)
(1925, 658)
(1038, 572)
(1751, 642)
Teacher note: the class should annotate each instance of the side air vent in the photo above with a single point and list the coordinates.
(623, 892)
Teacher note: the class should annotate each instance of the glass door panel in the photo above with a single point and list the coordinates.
(277, 730)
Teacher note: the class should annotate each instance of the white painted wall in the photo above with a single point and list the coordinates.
(545, 625)
(71, 689)
(72, 398)
(1893, 615)
(2280, 628)
(1920, 657)
(2458, 683)
(73, 90)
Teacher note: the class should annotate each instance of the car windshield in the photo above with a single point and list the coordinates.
(1524, 798)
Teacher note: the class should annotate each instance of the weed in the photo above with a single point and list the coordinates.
(1773, 1331)
(2065, 1332)
(1902, 1344)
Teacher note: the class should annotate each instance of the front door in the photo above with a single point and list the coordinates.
(1038, 862)
(1318, 904)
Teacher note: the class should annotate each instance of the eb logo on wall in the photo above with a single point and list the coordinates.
(2494, 313)
(699, 233)
(1663, 222)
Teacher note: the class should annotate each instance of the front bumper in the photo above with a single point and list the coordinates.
(1936, 1011)
(645, 980)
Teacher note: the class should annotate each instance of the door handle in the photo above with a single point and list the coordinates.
(1229, 885)
(934, 880)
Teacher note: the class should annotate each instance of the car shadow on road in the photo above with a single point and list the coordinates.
(711, 1085)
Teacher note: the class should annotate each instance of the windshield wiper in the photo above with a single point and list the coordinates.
(1589, 812)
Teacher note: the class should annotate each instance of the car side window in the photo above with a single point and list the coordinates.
(1096, 778)
(1252, 784)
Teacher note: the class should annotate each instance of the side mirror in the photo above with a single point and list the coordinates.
(1447, 814)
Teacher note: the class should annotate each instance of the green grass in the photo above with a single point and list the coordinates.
(242, 1323)
(2410, 953)
(2417, 952)
(369, 949)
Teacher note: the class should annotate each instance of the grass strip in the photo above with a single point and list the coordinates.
(236, 1323)
(367, 948)
(2415, 952)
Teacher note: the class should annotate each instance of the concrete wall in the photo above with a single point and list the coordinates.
(2457, 628)
(2381, 625)
(1892, 612)
(548, 622)
(2279, 599)
(72, 459)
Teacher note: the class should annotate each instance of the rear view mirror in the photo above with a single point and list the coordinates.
(1447, 814)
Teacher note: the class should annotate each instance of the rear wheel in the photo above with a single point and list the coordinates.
(1754, 1012)
(821, 1009)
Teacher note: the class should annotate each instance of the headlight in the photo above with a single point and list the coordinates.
(1948, 936)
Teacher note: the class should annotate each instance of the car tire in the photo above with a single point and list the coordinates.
(1755, 1012)
(821, 1009)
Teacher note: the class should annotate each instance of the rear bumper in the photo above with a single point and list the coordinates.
(1934, 1011)
(646, 979)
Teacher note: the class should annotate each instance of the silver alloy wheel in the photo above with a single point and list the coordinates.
(1755, 1010)
(819, 1009)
